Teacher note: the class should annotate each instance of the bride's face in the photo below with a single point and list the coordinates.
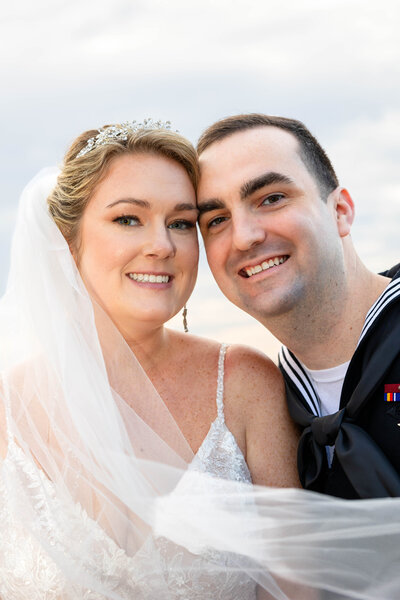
(138, 248)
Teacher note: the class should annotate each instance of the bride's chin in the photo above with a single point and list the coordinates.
(142, 325)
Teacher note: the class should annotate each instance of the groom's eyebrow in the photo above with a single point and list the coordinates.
(253, 185)
(247, 189)
(209, 205)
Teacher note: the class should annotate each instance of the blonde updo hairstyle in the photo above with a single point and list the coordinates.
(80, 176)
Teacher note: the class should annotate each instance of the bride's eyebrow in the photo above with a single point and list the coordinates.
(135, 201)
(145, 204)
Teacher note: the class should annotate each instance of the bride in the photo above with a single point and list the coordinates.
(125, 205)
(128, 449)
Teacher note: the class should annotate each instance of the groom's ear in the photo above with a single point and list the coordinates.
(343, 206)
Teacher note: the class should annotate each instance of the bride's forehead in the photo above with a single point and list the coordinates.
(145, 180)
(142, 169)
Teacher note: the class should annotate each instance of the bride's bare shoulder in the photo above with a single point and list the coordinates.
(255, 391)
(242, 359)
(193, 347)
(254, 385)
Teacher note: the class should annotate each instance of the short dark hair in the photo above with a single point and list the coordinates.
(311, 152)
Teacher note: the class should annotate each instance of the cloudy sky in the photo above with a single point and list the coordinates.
(66, 66)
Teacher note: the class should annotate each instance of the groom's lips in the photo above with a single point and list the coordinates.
(265, 264)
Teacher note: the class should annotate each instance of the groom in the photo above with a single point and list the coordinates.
(276, 227)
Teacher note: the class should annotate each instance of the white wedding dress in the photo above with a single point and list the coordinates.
(159, 570)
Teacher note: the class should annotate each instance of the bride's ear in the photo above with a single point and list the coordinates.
(343, 206)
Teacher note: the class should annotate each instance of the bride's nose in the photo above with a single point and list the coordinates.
(159, 242)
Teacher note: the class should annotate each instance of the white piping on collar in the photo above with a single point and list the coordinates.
(300, 378)
(391, 292)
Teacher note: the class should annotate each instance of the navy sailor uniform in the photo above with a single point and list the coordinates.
(365, 431)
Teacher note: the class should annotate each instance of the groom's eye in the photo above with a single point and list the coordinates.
(272, 199)
(215, 221)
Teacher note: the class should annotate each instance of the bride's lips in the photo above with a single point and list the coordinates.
(152, 279)
(272, 262)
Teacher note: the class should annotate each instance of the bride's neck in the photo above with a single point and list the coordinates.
(148, 344)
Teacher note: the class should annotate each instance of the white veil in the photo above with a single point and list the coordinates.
(94, 479)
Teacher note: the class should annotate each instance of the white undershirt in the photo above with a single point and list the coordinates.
(328, 384)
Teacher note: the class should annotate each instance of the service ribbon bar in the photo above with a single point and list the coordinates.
(392, 392)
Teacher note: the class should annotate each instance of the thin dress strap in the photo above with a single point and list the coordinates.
(220, 382)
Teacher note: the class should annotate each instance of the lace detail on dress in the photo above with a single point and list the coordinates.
(63, 532)
(219, 455)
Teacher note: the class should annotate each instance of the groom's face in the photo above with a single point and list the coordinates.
(267, 232)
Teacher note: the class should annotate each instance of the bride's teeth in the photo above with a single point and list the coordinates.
(149, 278)
(257, 269)
(249, 272)
(265, 265)
(276, 261)
(271, 262)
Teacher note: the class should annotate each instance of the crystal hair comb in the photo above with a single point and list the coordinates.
(108, 135)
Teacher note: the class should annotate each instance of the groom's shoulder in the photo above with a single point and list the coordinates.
(392, 273)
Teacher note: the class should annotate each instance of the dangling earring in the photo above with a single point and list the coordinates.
(185, 323)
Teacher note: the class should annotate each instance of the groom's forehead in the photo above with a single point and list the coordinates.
(227, 164)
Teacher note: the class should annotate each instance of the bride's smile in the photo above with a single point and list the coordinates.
(137, 248)
(152, 278)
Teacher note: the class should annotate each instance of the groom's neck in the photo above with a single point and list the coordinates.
(325, 334)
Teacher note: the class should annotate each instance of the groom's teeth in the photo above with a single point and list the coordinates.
(271, 262)
(144, 277)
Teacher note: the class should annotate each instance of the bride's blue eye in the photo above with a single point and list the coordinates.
(181, 224)
(127, 221)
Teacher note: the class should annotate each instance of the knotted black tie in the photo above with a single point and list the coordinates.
(363, 462)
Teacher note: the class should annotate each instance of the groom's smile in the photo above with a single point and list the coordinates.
(265, 265)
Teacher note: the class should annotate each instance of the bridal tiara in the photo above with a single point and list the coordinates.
(120, 132)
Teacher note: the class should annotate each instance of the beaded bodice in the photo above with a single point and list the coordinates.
(27, 572)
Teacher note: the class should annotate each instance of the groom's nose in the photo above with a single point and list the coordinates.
(247, 231)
